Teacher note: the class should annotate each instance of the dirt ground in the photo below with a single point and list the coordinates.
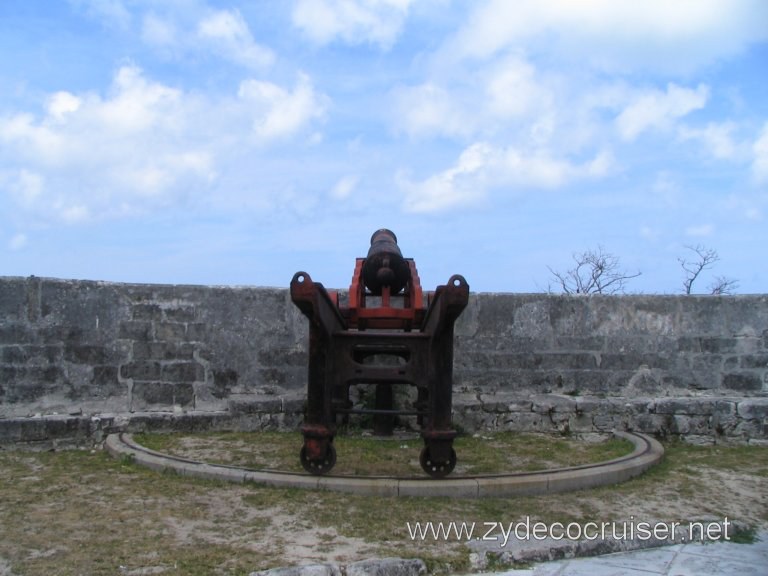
(82, 512)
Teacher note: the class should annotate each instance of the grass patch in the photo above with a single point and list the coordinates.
(745, 535)
(364, 455)
(82, 512)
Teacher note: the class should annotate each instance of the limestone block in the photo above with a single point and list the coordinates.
(329, 569)
(387, 567)
(753, 408)
(743, 381)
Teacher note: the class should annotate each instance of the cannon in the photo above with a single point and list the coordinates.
(385, 317)
(385, 266)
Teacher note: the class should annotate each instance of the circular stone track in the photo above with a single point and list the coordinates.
(646, 453)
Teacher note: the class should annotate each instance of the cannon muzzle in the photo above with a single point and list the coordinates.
(385, 265)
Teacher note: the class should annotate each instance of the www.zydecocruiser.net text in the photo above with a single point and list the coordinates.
(526, 529)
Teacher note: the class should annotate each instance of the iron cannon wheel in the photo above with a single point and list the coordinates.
(437, 469)
(320, 466)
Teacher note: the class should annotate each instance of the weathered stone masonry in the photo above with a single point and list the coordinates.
(79, 359)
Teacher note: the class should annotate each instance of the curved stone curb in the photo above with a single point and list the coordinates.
(647, 452)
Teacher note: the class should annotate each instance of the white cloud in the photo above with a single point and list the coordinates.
(650, 233)
(429, 109)
(716, 137)
(508, 94)
(72, 213)
(62, 103)
(458, 186)
(513, 90)
(482, 167)
(654, 34)
(26, 137)
(655, 109)
(228, 33)
(141, 145)
(760, 161)
(18, 241)
(26, 186)
(700, 230)
(154, 177)
(351, 21)
(112, 13)
(179, 30)
(137, 104)
(279, 112)
(158, 31)
(344, 187)
(666, 190)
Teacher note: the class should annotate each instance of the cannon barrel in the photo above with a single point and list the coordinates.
(385, 265)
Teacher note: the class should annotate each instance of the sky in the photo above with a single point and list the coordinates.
(238, 142)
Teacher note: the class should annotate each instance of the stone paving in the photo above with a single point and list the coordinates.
(711, 559)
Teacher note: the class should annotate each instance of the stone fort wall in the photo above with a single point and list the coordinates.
(79, 359)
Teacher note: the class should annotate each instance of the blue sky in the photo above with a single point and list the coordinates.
(235, 143)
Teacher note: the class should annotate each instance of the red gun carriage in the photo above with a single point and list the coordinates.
(385, 316)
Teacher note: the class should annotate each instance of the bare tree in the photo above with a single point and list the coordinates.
(596, 272)
(704, 260)
(722, 285)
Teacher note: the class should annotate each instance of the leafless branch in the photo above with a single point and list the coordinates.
(722, 285)
(595, 272)
(704, 260)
